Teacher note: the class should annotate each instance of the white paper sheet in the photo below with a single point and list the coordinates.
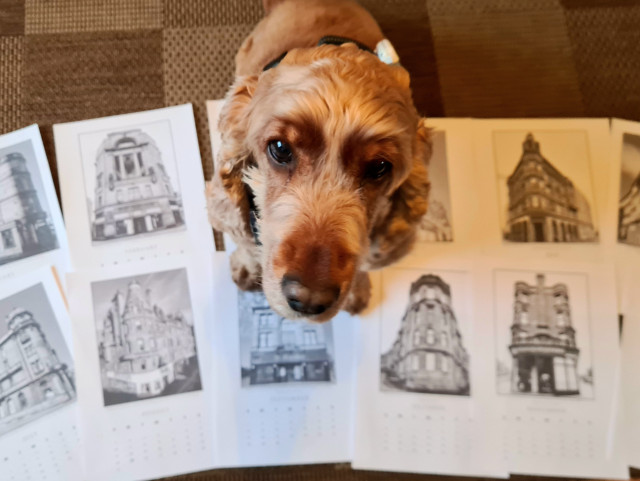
(423, 402)
(32, 231)
(39, 433)
(145, 382)
(624, 197)
(132, 187)
(556, 364)
(284, 387)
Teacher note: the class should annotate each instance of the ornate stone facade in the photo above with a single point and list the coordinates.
(32, 380)
(25, 228)
(133, 192)
(629, 215)
(544, 205)
(543, 341)
(287, 351)
(143, 349)
(435, 225)
(428, 354)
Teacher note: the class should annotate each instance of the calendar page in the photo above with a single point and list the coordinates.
(32, 231)
(39, 433)
(630, 383)
(145, 382)
(132, 187)
(285, 387)
(423, 400)
(555, 327)
(542, 188)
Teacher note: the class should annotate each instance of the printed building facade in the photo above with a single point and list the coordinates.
(24, 226)
(133, 193)
(629, 215)
(142, 349)
(544, 205)
(32, 379)
(435, 225)
(287, 351)
(543, 341)
(428, 354)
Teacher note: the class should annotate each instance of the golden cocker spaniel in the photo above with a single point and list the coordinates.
(322, 172)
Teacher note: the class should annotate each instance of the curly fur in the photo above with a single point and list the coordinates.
(338, 107)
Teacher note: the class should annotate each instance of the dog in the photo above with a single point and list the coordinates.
(322, 173)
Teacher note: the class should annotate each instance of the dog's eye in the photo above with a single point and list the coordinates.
(378, 169)
(280, 151)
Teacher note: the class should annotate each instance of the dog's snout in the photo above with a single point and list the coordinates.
(305, 300)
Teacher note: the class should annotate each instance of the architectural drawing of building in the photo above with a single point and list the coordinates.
(286, 351)
(33, 382)
(428, 354)
(544, 205)
(133, 193)
(25, 228)
(435, 225)
(629, 215)
(543, 341)
(143, 350)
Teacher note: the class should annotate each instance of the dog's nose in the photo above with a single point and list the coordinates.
(308, 301)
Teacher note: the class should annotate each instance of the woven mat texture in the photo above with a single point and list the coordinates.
(67, 60)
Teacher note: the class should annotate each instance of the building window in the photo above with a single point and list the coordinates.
(120, 195)
(148, 192)
(263, 320)
(444, 339)
(310, 337)
(24, 337)
(431, 361)
(22, 399)
(265, 339)
(430, 336)
(37, 366)
(28, 350)
(524, 317)
(7, 239)
(140, 344)
(444, 364)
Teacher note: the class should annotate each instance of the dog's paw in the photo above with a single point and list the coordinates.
(360, 294)
(245, 272)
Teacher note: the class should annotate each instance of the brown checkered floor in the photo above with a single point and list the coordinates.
(65, 60)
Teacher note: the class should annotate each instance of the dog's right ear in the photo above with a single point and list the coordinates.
(227, 195)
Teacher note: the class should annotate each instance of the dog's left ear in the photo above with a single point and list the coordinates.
(227, 195)
(395, 233)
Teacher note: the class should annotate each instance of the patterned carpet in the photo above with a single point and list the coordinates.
(65, 60)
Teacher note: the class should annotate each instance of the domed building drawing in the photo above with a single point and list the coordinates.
(428, 354)
(133, 192)
(144, 351)
(25, 226)
(543, 341)
(544, 204)
(33, 380)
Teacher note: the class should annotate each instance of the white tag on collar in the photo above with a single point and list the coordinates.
(386, 53)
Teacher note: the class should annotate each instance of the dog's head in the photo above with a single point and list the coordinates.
(336, 155)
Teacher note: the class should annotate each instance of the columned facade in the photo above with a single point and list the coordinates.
(543, 341)
(133, 192)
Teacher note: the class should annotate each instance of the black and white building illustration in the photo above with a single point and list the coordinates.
(436, 224)
(36, 375)
(26, 228)
(543, 355)
(146, 338)
(277, 350)
(133, 193)
(428, 353)
(544, 204)
(629, 206)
